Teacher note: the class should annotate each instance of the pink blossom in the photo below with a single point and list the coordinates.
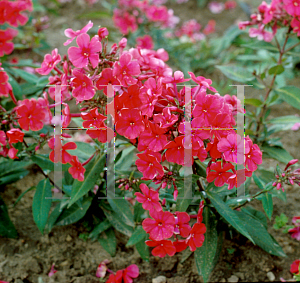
(145, 42)
(216, 7)
(87, 51)
(102, 268)
(52, 270)
(49, 62)
(72, 34)
(292, 7)
(295, 233)
(261, 34)
(149, 198)
(82, 85)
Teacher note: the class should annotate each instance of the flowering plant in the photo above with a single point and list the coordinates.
(180, 166)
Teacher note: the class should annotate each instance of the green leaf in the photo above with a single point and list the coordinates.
(277, 153)
(7, 228)
(236, 73)
(108, 241)
(277, 69)
(259, 234)
(83, 151)
(290, 119)
(183, 201)
(45, 163)
(280, 221)
(42, 203)
(138, 212)
(138, 235)
(53, 217)
(74, 213)
(267, 202)
(143, 250)
(95, 15)
(258, 215)
(91, 175)
(117, 222)
(260, 183)
(104, 225)
(21, 195)
(205, 255)
(42, 82)
(122, 208)
(17, 91)
(253, 101)
(185, 255)
(291, 95)
(13, 176)
(228, 214)
(30, 78)
(258, 45)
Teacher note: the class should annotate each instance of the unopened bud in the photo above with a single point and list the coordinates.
(163, 202)
(291, 181)
(283, 174)
(164, 184)
(126, 186)
(37, 147)
(278, 186)
(274, 184)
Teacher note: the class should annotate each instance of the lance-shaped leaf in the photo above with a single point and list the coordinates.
(93, 170)
(138, 235)
(122, 208)
(42, 203)
(108, 241)
(7, 228)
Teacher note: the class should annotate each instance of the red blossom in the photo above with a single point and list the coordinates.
(15, 135)
(87, 51)
(181, 224)
(196, 238)
(76, 170)
(149, 164)
(82, 85)
(63, 156)
(6, 36)
(161, 248)
(145, 42)
(295, 266)
(149, 198)
(161, 227)
(220, 173)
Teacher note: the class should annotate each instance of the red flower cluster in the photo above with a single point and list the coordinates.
(272, 16)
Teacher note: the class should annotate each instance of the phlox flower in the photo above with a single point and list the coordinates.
(2, 138)
(148, 101)
(153, 138)
(166, 119)
(125, 69)
(106, 78)
(6, 36)
(13, 14)
(50, 60)
(157, 13)
(292, 7)
(76, 170)
(295, 266)
(115, 278)
(103, 134)
(210, 27)
(175, 152)
(30, 114)
(261, 33)
(145, 42)
(216, 7)
(12, 153)
(132, 271)
(131, 123)
(178, 78)
(182, 226)
(196, 238)
(238, 178)
(149, 164)
(82, 85)
(180, 245)
(93, 118)
(124, 21)
(72, 34)
(5, 86)
(87, 51)
(254, 156)
(63, 156)
(102, 33)
(15, 135)
(233, 148)
(161, 248)
(220, 173)
(212, 148)
(295, 24)
(161, 227)
(295, 233)
(149, 198)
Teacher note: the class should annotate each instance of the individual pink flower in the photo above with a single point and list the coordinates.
(55, 144)
(52, 271)
(292, 7)
(295, 267)
(50, 60)
(157, 13)
(86, 52)
(15, 135)
(107, 78)
(166, 119)
(175, 152)
(261, 33)
(132, 271)
(161, 227)
(196, 238)
(124, 21)
(6, 36)
(230, 4)
(82, 85)
(30, 114)
(12, 153)
(115, 278)
(210, 27)
(125, 69)
(149, 164)
(220, 173)
(254, 156)
(14, 16)
(2, 138)
(76, 170)
(182, 226)
(149, 198)
(102, 33)
(145, 42)
(102, 268)
(238, 178)
(131, 123)
(72, 34)
(161, 248)
(5, 86)
(216, 7)
(233, 148)
(93, 118)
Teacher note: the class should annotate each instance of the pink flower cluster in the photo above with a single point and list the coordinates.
(130, 14)
(270, 17)
(288, 176)
(163, 225)
(192, 29)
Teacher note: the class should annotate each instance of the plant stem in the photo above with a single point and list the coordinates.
(264, 108)
(256, 195)
(290, 48)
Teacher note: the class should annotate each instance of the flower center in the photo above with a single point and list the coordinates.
(159, 224)
(296, 4)
(131, 123)
(150, 164)
(86, 54)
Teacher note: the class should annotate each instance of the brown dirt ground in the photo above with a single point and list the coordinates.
(29, 258)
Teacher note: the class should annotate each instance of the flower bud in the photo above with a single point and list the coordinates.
(163, 202)
(292, 162)
(278, 186)
(102, 33)
(274, 184)
(283, 174)
(164, 184)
